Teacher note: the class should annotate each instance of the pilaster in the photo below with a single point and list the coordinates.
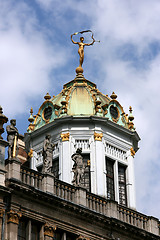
(130, 181)
(66, 158)
(13, 221)
(99, 162)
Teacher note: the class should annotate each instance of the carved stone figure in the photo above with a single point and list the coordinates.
(48, 147)
(82, 45)
(78, 167)
(12, 138)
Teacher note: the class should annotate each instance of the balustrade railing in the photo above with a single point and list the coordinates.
(31, 177)
(132, 217)
(93, 202)
(64, 190)
(96, 203)
(82, 143)
(115, 152)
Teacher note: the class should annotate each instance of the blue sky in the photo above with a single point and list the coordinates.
(37, 56)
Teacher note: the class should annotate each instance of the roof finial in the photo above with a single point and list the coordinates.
(31, 118)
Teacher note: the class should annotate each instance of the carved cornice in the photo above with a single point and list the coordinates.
(132, 152)
(98, 136)
(49, 230)
(13, 216)
(65, 136)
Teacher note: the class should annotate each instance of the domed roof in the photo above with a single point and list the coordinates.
(80, 97)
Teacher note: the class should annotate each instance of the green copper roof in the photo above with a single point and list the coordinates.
(80, 97)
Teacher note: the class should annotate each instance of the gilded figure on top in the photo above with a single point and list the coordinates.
(82, 45)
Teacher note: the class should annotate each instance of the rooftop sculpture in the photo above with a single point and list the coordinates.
(12, 138)
(81, 48)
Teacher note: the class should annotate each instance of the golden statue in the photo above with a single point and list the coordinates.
(82, 45)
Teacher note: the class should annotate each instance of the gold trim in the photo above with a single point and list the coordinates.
(14, 146)
(65, 136)
(49, 230)
(132, 152)
(2, 211)
(30, 154)
(98, 136)
(13, 216)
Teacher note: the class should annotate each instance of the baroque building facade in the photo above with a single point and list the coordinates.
(87, 125)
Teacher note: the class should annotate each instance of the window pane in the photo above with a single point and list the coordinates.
(34, 231)
(110, 179)
(55, 167)
(22, 230)
(86, 182)
(122, 185)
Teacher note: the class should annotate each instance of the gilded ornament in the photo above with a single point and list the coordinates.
(132, 152)
(2, 211)
(30, 154)
(65, 136)
(98, 136)
(13, 216)
(49, 230)
(47, 97)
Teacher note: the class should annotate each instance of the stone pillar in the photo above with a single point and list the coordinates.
(111, 209)
(81, 196)
(130, 181)
(48, 183)
(65, 158)
(153, 225)
(12, 227)
(13, 168)
(49, 231)
(100, 161)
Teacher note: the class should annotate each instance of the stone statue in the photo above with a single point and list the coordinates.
(48, 147)
(12, 139)
(78, 167)
(82, 45)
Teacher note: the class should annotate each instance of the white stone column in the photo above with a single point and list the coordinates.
(33, 161)
(99, 162)
(65, 158)
(130, 181)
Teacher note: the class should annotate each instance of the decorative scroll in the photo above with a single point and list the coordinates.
(13, 216)
(65, 136)
(98, 136)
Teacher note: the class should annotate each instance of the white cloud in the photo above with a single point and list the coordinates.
(27, 58)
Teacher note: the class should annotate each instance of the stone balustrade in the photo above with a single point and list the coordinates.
(81, 196)
(31, 177)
